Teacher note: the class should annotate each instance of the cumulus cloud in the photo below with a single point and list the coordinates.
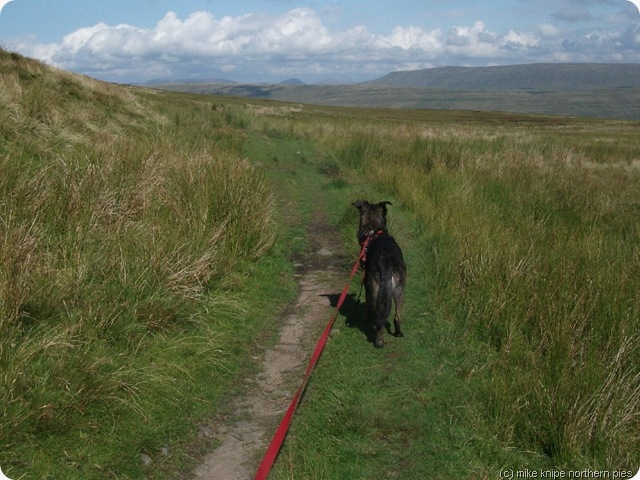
(412, 38)
(256, 47)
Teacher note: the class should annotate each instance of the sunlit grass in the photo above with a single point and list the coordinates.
(538, 252)
(531, 222)
(123, 228)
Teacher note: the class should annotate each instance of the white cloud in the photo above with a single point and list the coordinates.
(520, 40)
(255, 47)
(414, 38)
(472, 42)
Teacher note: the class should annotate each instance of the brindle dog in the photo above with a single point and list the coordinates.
(385, 272)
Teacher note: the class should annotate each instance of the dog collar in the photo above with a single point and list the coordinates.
(371, 234)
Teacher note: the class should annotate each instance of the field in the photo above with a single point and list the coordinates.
(147, 242)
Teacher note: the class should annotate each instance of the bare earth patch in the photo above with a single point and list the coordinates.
(246, 433)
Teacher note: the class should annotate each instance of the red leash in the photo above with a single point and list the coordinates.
(283, 428)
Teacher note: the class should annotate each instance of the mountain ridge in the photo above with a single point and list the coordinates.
(535, 76)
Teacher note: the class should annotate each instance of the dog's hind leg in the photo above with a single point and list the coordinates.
(380, 332)
(371, 292)
(383, 309)
(398, 297)
(397, 332)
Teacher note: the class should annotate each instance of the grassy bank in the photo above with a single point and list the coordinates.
(129, 226)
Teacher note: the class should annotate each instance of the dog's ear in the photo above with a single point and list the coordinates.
(359, 204)
(384, 206)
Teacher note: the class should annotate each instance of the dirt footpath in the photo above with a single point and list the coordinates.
(245, 434)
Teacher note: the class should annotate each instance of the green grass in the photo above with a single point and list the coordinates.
(130, 227)
(141, 233)
(526, 225)
(538, 254)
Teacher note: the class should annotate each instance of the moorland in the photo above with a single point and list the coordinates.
(148, 242)
(583, 90)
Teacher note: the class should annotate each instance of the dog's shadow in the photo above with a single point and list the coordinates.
(353, 311)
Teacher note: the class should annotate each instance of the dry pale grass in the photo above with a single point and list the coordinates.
(120, 222)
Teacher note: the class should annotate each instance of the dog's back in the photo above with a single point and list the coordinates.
(384, 269)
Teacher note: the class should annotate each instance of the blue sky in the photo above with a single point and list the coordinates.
(314, 40)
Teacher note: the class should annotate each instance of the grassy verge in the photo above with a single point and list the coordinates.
(131, 235)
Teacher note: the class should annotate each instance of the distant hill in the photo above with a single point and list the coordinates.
(292, 81)
(584, 90)
(540, 76)
(177, 81)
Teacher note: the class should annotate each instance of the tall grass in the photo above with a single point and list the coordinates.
(532, 225)
(536, 241)
(120, 228)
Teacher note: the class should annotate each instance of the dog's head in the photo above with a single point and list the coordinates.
(373, 217)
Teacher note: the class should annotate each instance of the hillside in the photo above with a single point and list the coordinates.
(126, 217)
(586, 90)
(541, 76)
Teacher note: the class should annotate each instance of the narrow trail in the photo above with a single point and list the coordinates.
(246, 433)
